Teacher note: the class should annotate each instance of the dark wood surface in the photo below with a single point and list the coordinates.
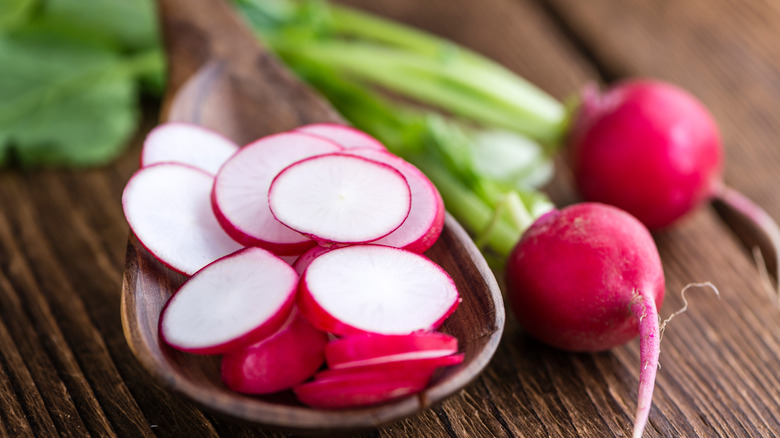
(66, 369)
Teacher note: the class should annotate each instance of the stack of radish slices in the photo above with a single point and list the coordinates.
(301, 246)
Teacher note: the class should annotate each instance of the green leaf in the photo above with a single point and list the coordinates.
(62, 103)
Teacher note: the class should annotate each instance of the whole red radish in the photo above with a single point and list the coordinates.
(589, 278)
(647, 147)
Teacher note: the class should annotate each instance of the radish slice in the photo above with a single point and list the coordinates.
(240, 195)
(340, 198)
(281, 361)
(411, 365)
(375, 289)
(368, 349)
(186, 143)
(167, 207)
(231, 303)
(358, 390)
(306, 258)
(346, 136)
(425, 222)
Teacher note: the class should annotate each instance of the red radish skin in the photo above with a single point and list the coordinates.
(339, 198)
(359, 390)
(230, 304)
(305, 259)
(346, 136)
(647, 147)
(279, 362)
(240, 194)
(601, 288)
(189, 144)
(365, 349)
(167, 208)
(425, 222)
(375, 289)
(412, 364)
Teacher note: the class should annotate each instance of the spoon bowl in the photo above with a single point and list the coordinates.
(219, 77)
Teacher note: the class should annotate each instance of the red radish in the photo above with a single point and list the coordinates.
(425, 222)
(410, 364)
(230, 304)
(240, 194)
(305, 259)
(167, 207)
(345, 136)
(589, 278)
(279, 362)
(340, 198)
(375, 289)
(368, 349)
(187, 144)
(359, 390)
(647, 147)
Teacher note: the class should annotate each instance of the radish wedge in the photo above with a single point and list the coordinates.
(345, 136)
(167, 207)
(186, 143)
(340, 198)
(230, 304)
(358, 390)
(375, 289)
(279, 362)
(368, 349)
(425, 222)
(394, 365)
(240, 195)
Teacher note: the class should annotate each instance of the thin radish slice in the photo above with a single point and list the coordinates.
(340, 198)
(425, 222)
(369, 348)
(375, 289)
(167, 207)
(305, 259)
(240, 195)
(279, 362)
(230, 304)
(346, 136)
(411, 365)
(358, 391)
(186, 143)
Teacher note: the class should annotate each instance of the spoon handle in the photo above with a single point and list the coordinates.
(216, 62)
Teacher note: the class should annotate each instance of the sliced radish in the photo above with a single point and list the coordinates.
(281, 361)
(340, 198)
(409, 365)
(375, 289)
(186, 143)
(424, 224)
(346, 136)
(368, 349)
(359, 390)
(230, 304)
(240, 195)
(167, 207)
(305, 259)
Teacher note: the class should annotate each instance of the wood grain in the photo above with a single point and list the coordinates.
(65, 368)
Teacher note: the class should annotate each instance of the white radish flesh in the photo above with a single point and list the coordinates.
(186, 143)
(279, 362)
(368, 349)
(345, 136)
(305, 259)
(425, 222)
(167, 207)
(240, 195)
(230, 304)
(340, 198)
(375, 289)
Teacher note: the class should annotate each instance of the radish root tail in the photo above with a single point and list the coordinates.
(766, 281)
(684, 308)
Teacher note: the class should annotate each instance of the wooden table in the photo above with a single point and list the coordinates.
(65, 367)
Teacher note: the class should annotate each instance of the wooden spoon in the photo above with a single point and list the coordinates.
(219, 77)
